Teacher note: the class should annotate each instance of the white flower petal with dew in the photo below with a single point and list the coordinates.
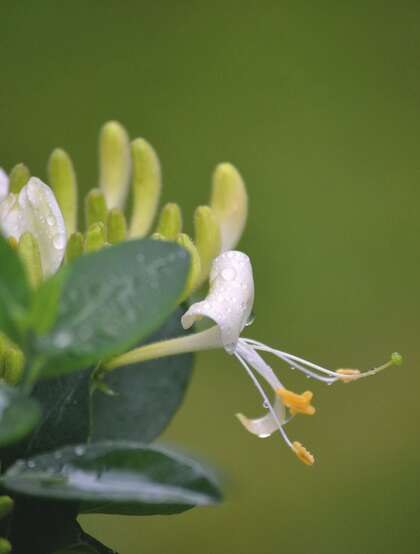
(229, 305)
(4, 184)
(36, 210)
(230, 298)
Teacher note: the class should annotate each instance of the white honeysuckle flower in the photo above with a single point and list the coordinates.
(4, 184)
(35, 210)
(229, 305)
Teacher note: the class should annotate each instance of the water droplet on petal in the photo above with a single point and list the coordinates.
(250, 319)
(266, 405)
(228, 274)
(59, 241)
(50, 220)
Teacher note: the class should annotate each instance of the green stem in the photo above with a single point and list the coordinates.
(205, 340)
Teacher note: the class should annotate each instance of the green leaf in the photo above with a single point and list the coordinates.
(112, 299)
(116, 478)
(65, 412)
(18, 415)
(14, 292)
(146, 394)
(46, 301)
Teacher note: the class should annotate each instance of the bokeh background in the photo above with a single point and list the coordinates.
(318, 104)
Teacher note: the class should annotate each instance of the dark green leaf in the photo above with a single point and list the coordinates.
(116, 477)
(146, 394)
(14, 292)
(112, 299)
(18, 415)
(65, 412)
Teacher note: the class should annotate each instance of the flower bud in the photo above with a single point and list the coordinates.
(75, 246)
(62, 179)
(115, 163)
(146, 187)
(95, 207)
(95, 237)
(18, 178)
(195, 265)
(229, 201)
(6, 506)
(29, 253)
(207, 239)
(170, 221)
(116, 226)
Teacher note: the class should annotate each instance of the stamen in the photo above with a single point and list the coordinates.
(297, 403)
(265, 398)
(353, 374)
(304, 455)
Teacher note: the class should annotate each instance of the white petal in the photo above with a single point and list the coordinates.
(230, 298)
(35, 209)
(266, 425)
(43, 218)
(11, 217)
(4, 184)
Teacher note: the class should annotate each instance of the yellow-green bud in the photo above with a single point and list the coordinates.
(116, 226)
(30, 255)
(13, 362)
(13, 243)
(6, 506)
(114, 163)
(229, 201)
(170, 221)
(95, 237)
(195, 265)
(74, 247)
(95, 207)
(207, 239)
(5, 546)
(62, 179)
(18, 178)
(146, 187)
(157, 236)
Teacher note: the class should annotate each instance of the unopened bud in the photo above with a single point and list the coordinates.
(170, 221)
(6, 506)
(62, 179)
(116, 226)
(146, 187)
(95, 207)
(75, 246)
(18, 178)
(95, 237)
(115, 163)
(207, 239)
(195, 266)
(5, 546)
(229, 201)
(30, 255)
(13, 362)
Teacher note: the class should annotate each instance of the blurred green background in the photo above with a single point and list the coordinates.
(318, 104)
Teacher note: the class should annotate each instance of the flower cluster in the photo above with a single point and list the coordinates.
(41, 222)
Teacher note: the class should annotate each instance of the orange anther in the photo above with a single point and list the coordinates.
(304, 455)
(297, 403)
(352, 373)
